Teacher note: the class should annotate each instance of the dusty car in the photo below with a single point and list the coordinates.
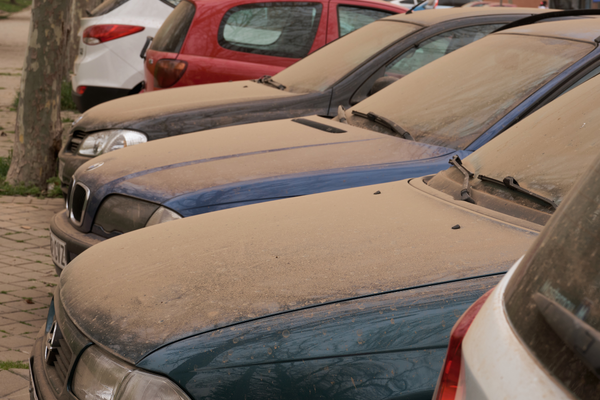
(206, 41)
(536, 335)
(346, 294)
(473, 95)
(342, 73)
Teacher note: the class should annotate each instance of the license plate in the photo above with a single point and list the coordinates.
(58, 249)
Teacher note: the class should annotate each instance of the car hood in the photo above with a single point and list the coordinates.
(164, 169)
(143, 290)
(127, 111)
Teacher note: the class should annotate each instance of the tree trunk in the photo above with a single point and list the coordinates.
(38, 127)
(78, 11)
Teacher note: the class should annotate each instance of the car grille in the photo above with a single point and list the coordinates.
(59, 360)
(63, 342)
(78, 198)
(76, 140)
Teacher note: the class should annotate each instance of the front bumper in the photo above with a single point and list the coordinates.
(76, 241)
(68, 164)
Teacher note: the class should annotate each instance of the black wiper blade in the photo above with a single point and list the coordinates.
(385, 122)
(465, 193)
(267, 80)
(580, 337)
(512, 184)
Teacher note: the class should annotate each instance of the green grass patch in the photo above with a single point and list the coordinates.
(14, 6)
(23, 189)
(5, 365)
(66, 99)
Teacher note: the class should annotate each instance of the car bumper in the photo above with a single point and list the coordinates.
(75, 241)
(39, 386)
(68, 164)
(95, 95)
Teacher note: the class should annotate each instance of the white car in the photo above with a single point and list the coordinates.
(108, 65)
(536, 335)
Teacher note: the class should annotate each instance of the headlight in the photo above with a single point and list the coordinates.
(100, 376)
(162, 215)
(124, 214)
(106, 141)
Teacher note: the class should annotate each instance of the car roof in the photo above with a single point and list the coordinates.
(580, 29)
(432, 17)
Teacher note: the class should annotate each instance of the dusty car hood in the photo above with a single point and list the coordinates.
(137, 292)
(164, 169)
(126, 111)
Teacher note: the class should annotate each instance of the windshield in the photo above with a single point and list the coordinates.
(452, 101)
(320, 70)
(545, 153)
(561, 271)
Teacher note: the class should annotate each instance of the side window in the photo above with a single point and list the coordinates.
(351, 18)
(436, 47)
(273, 29)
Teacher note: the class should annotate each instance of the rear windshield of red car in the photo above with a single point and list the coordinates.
(173, 31)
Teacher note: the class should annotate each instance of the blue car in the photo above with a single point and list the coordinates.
(449, 107)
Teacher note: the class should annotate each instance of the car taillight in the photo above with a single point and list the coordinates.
(448, 383)
(168, 72)
(81, 89)
(103, 33)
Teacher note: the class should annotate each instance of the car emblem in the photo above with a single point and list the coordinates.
(52, 344)
(94, 166)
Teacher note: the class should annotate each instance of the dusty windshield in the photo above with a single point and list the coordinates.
(545, 153)
(320, 70)
(452, 101)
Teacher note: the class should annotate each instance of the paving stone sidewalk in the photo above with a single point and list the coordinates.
(27, 281)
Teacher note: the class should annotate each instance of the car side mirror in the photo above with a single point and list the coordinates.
(381, 83)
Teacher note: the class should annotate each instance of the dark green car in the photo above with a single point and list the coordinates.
(341, 295)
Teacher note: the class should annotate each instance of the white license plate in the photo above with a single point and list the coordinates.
(58, 249)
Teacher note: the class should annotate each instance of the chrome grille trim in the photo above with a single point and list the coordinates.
(71, 198)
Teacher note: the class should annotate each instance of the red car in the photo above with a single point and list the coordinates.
(206, 41)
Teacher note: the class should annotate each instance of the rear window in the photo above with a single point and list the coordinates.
(274, 29)
(173, 31)
(553, 299)
(107, 6)
(352, 18)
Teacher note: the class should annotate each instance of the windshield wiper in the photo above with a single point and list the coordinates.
(267, 80)
(580, 337)
(465, 193)
(512, 184)
(386, 123)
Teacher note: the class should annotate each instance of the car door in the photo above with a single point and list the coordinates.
(346, 16)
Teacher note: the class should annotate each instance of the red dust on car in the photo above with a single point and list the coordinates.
(208, 41)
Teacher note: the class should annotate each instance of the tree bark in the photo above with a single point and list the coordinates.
(38, 127)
